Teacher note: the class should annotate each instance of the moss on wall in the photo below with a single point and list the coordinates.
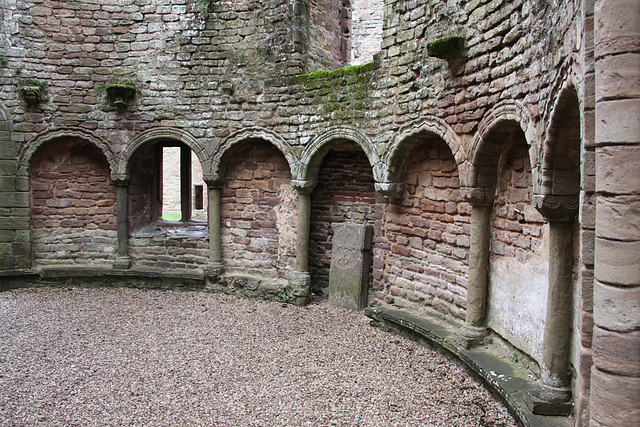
(343, 92)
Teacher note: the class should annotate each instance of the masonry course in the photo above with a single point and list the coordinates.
(514, 132)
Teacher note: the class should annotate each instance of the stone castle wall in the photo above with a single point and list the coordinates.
(411, 143)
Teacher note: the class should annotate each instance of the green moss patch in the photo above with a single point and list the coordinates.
(447, 47)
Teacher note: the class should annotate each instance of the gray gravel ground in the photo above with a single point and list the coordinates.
(117, 357)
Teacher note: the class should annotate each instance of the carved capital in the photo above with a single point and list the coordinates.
(478, 196)
(121, 181)
(303, 186)
(389, 189)
(213, 182)
(557, 208)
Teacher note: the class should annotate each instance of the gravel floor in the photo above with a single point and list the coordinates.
(145, 358)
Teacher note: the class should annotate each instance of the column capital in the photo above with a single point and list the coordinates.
(121, 181)
(303, 186)
(478, 196)
(390, 190)
(213, 182)
(557, 208)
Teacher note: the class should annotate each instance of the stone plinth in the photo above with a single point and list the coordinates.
(350, 262)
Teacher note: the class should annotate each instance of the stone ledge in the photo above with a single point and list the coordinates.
(498, 376)
(145, 278)
(96, 277)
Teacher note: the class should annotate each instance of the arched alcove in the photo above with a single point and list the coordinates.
(344, 193)
(258, 210)
(427, 229)
(73, 204)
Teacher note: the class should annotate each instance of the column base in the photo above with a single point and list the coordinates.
(545, 399)
(214, 271)
(122, 263)
(470, 336)
(300, 285)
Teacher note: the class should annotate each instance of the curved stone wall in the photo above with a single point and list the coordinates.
(475, 162)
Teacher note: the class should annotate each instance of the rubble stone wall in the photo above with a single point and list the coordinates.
(206, 71)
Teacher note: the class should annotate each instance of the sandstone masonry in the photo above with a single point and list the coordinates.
(499, 172)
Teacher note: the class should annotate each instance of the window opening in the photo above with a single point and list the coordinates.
(366, 29)
(182, 186)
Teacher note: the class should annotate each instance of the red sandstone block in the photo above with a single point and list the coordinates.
(614, 399)
(400, 250)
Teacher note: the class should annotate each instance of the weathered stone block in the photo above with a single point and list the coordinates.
(350, 262)
(617, 24)
(614, 399)
(617, 76)
(616, 308)
(624, 113)
(618, 218)
(617, 352)
(618, 167)
(618, 262)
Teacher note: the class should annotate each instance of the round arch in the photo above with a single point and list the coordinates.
(154, 135)
(216, 170)
(562, 143)
(315, 151)
(404, 141)
(27, 150)
(484, 154)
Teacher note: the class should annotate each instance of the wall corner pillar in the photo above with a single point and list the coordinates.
(615, 374)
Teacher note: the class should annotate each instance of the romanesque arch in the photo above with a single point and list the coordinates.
(216, 167)
(558, 200)
(426, 222)
(408, 137)
(486, 146)
(27, 150)
(257, 205)
(509, 248)
(561, 146)
(156, 135)
(315, 151)
(341, 167)
(72, 199)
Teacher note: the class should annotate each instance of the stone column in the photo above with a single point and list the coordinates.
(123, 261)
(215, 267)
(474, 329)
(615, 374)
(300, 279)
(552, 394)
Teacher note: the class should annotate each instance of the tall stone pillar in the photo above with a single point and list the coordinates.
(615, 374)
(552, 394)
(123, 261)
(300, 279)
(474, 329)
(215, 267)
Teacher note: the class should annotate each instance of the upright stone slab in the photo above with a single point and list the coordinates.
(350, 263)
